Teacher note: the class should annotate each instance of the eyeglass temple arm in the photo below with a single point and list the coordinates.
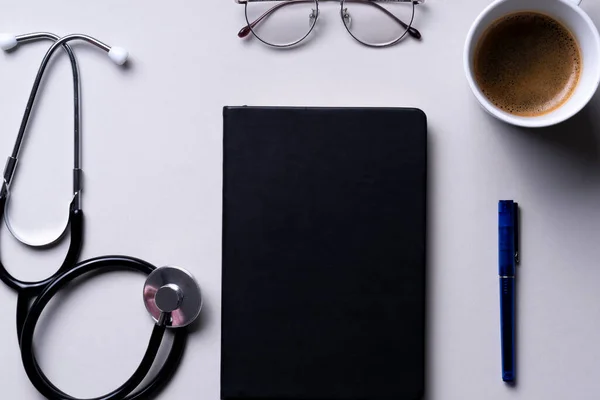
(245, 31)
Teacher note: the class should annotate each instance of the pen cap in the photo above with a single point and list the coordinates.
(507, 210)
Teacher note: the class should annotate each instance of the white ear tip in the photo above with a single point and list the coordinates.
(7, 41)
(118, 55)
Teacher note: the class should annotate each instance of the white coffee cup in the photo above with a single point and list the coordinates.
(570, 14)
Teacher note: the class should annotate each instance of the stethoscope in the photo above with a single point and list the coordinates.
(171, 294)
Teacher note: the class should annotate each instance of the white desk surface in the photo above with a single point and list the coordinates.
(152, 161)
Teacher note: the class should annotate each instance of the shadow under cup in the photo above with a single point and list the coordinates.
(581, 26)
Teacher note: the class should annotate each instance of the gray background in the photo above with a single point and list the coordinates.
(152, 161)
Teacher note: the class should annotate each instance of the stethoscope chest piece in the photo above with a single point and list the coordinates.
(172, 293)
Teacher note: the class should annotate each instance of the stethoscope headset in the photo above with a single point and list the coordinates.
(171, 294)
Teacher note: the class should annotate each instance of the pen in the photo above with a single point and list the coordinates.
(508, 230)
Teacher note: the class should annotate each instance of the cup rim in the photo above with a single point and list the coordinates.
(527, 122)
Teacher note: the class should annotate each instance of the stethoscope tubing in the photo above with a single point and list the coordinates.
(76, 231)
(30, 317)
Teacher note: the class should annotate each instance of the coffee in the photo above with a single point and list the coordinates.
(527, 64)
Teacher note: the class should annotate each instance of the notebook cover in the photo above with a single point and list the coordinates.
(323, 253)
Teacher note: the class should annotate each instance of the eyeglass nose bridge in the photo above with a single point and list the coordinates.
(346, 17)
(313, 16)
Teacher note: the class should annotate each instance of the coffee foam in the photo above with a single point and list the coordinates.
(527, 64)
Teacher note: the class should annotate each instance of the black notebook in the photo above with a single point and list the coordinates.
(323, 253)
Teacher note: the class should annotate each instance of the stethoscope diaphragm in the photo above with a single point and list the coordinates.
(172, 293)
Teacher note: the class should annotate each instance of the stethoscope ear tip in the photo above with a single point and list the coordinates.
(118, 55)
(7, 41)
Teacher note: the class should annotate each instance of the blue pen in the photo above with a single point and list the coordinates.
(508, 242)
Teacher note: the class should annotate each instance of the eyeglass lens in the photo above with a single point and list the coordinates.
(281, 23)
(377, 23)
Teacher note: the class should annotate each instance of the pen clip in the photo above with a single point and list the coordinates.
(516, 230)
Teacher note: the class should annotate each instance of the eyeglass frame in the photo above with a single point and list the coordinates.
(281, 3)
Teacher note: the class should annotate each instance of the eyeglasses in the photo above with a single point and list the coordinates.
(285, 23)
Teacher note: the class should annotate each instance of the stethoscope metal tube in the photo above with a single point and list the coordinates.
(11, 163)
(75, 213)
(76, 92)
(75, 221)
(117, 54)
(171, 294)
